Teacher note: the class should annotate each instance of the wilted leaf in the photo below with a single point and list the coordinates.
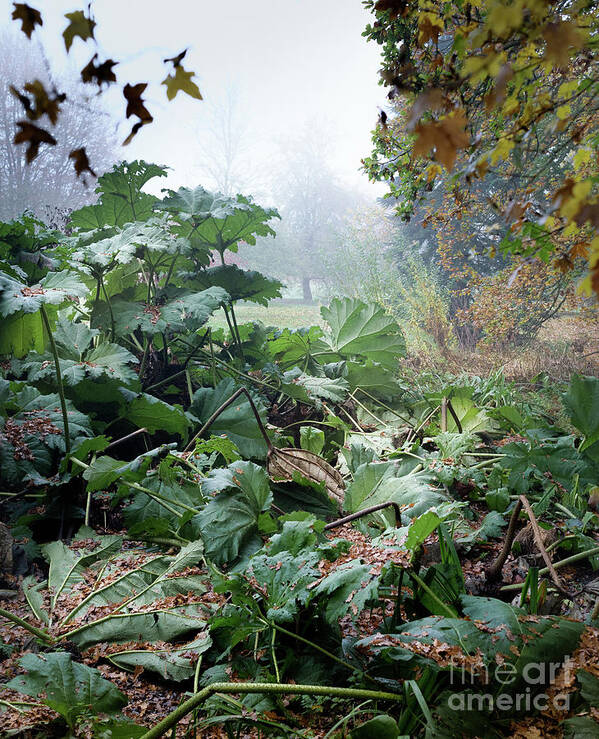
(285, 464)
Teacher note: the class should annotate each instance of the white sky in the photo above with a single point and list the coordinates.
(292, 62)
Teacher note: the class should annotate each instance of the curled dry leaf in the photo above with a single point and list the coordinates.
(282, 464)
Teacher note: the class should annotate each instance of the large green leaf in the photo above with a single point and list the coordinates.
(240, 284)
(22, 333)
(582, 403)
(78, 359)
(237, 422)
(283, 581)
(69, 688)
(67, 565)
(187, 312)
(348, 589)
(308, 388)
(215, 221)
(32, 434)
(230, 520)
(365, 330)
(171, 663)
(146, 411)
(54, 289)
(122, 199)
(383, 482)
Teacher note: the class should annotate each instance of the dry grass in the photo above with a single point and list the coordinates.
(565, 346)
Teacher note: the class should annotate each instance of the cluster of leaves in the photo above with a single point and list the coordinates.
(40, 104)
(496, 122)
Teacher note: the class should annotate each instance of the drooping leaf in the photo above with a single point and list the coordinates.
(54, 289)
(174, 663)
(230, 520)
(582, 403)
(240, 284)
(70, 688)
(290, 464)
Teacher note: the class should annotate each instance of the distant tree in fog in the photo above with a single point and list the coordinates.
(48, 185)
(313, 205)
(224, 146)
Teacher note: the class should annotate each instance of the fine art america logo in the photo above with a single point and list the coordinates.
(516, 691)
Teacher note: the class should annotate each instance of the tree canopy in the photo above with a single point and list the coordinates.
(503, 96)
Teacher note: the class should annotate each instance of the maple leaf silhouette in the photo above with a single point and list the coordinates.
(181, 81)
(80, 25)
(33, 136)
(99, 73)
(81, 162)
(29, 17)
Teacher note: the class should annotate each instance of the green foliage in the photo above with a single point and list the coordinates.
(362, 330)
(73, 690)
(237, 421)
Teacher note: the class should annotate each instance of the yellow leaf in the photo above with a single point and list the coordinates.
(573, 204)
(181, 81)
(566, 89)
(581, 157)
(564, 111)
(502, 150)
(79, 25)
(502, 18)
(511, 106)
(570, 230)
(432, 171)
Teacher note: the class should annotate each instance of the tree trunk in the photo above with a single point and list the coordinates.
(307, 290)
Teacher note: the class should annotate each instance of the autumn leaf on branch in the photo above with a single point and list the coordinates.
(29, 17)
(81, 162)
(560, 39)
(33, 136)
(99, 73)
(445, 136)
(79, 25)
(181, 81)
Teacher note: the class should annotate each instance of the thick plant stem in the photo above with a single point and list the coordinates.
(43, 635)
(268, 689)
(494, 570)
(63, 403)
(449, 611)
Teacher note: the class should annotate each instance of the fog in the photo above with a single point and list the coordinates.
(286, 66)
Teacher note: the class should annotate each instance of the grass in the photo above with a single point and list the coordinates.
(565, 345)
(278, 314)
